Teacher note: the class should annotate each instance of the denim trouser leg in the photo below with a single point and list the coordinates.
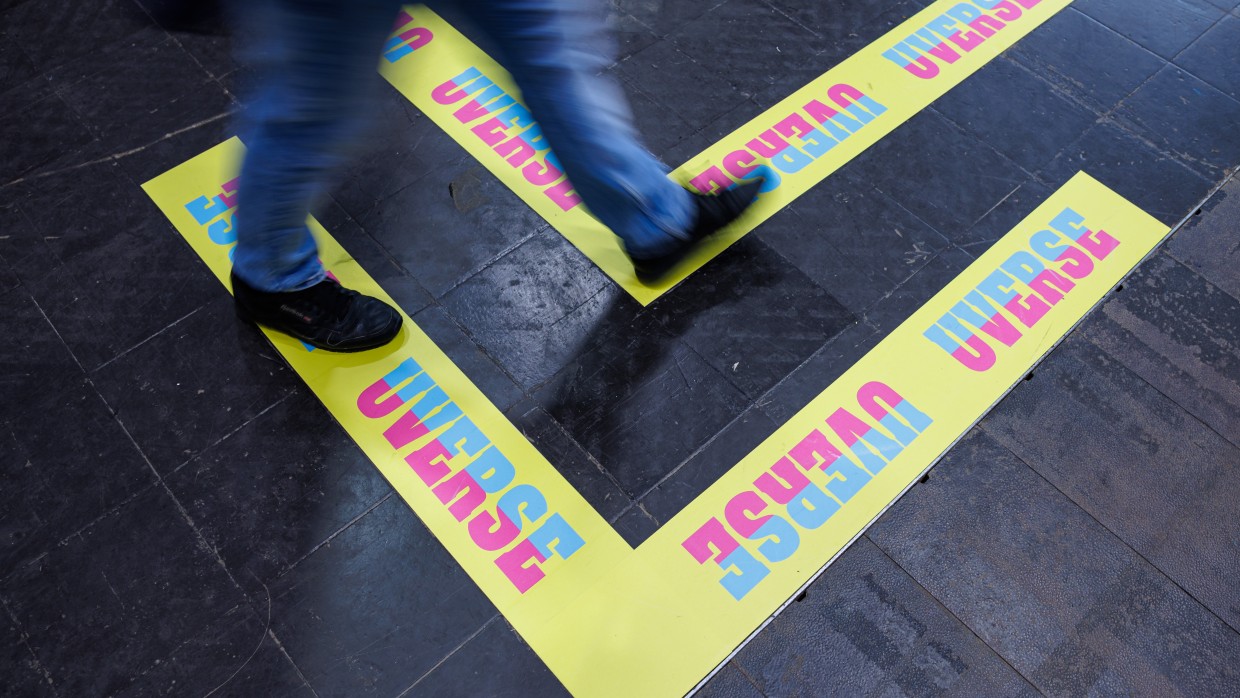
(317, 62)
(557, 51)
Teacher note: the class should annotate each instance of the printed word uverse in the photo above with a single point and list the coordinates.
(504, 124)
(966, 26)
(469, 475)
(793, 141)
(806, 487)
(1025, 287)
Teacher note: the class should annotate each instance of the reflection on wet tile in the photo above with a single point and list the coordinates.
(282, 485)
(377, 607)
(495, 663)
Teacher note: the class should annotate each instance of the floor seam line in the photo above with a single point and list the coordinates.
(450, 655)
(1140, 555)
(939, 602)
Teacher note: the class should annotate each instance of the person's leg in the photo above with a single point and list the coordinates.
(557, 51)
(316, 61)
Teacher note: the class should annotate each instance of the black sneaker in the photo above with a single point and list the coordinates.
(326, 315)
(714, 211)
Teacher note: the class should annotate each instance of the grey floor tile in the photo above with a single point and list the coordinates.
(778, 56)
(377, 608)
(753, 317)
(1211, 56)
(865, 627)
(712, 461)
(729, 683)
(1060, 598)
(1086, 59)
(194, 383)
(1018, 113)
(1162, 27)
(1135, 461)
(274, 491)
(52, 456)
(99, 611)
(536, 307)
(494, 663)
(1176, 111)
(944, 176)
(125, 103)
(421, 225)
(1181, 335)
(570, 460)
(36, 361)
(1207, 243)
(1158, 183)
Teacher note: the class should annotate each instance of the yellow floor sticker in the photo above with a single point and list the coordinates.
(613, 621)
(795, 144)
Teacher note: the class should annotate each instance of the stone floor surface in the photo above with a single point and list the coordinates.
(180, 516)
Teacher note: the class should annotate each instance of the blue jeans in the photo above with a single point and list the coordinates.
(317, 64)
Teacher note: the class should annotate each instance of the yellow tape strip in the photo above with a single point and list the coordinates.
(613, 621)
(795, 144)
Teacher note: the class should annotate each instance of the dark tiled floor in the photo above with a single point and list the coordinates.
(178, 514)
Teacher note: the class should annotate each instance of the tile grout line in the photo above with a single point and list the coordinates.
(116, 157)
(292, 565)
(938, 602)
(202, 451)
(1140, 555)
(157, 333)
(1183, 408)
(36, 665)
(451, 654)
